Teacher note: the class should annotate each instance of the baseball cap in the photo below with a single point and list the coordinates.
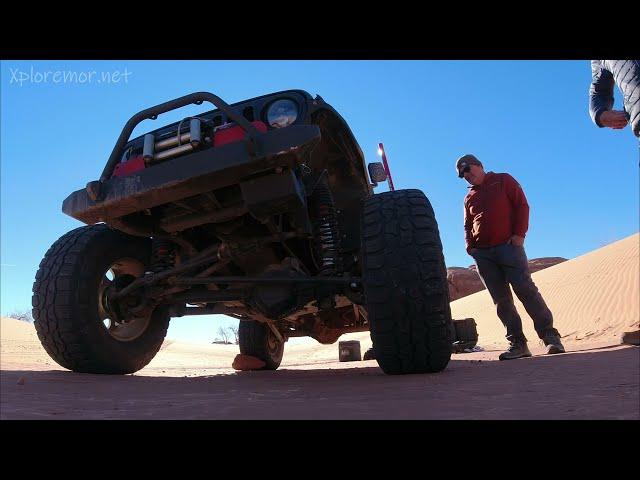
(465, 161)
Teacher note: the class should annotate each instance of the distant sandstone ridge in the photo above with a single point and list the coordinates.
(465, 281)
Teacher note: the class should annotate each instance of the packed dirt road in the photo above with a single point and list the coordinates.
(196, 382)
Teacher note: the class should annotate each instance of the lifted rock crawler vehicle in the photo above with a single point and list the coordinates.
(262, 210)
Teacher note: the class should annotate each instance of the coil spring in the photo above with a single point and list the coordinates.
(163, 255)
(326, 228)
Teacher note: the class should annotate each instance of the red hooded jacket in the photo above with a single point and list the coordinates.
(494, 211)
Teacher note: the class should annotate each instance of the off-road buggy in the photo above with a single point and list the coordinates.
(262, 210)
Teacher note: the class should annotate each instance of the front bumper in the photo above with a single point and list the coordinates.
(192, 174)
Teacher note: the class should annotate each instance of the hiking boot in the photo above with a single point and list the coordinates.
(369, 355)
(553, 344)
(516, 350)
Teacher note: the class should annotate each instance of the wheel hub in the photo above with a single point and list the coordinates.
(117, 316)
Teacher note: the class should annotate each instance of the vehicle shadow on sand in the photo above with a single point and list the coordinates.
(591, 384)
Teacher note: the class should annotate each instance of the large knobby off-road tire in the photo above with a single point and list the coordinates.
(257, 339)
(405, 283)
(72, 314)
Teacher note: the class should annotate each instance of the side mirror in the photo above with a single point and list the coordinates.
(377, 173)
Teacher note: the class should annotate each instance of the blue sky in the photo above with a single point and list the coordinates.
(527, 118)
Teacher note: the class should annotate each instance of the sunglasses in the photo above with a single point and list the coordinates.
(464, 170)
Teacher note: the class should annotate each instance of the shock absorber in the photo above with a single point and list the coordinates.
(326, 228)
(163, 254)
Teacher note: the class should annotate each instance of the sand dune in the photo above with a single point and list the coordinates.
(593, 297)
(19, 345)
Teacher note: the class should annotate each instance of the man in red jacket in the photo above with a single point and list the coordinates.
(496, 219)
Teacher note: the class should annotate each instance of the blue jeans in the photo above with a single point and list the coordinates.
(507, 264)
